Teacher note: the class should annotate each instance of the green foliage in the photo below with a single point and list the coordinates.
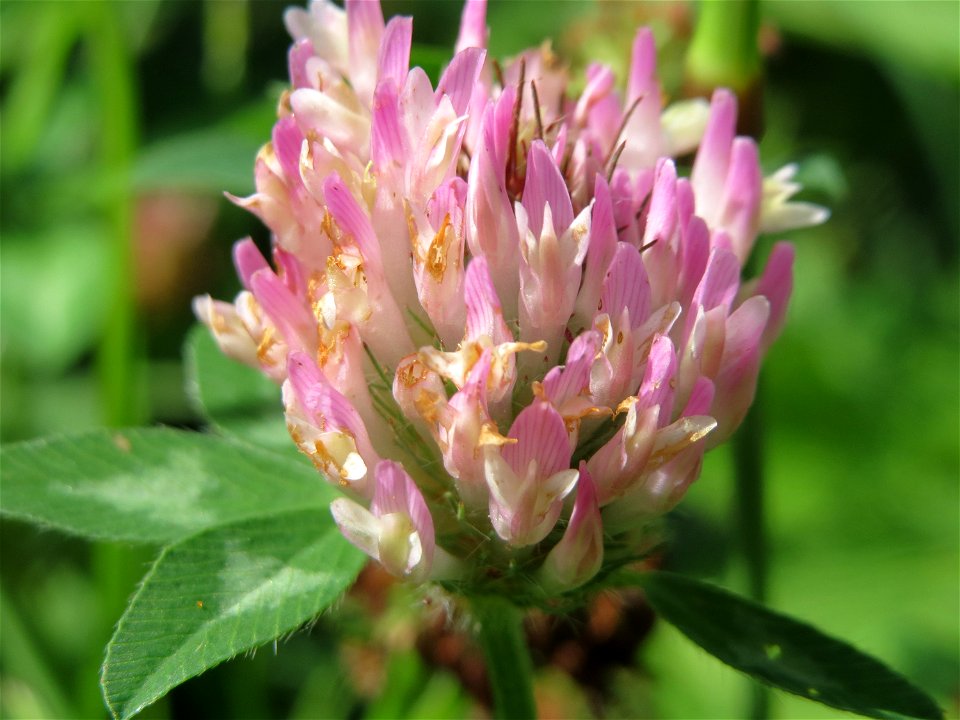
(921, 34)
(783, 652)
(405, 678)
(852, 425)
(200, 161)
(237, 400)
(39, 42)
(70, 264)
(220, 593)
(500, 636)
(150, 485)
(255, 552)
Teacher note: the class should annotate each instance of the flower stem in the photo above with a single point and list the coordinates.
(748, 459)
(112, 69)
(115, 568)
(748, 462)
(500, 634)
(724, 53)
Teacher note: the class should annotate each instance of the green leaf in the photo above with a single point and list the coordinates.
(203, 160)
(151, 484)
(431, 58)
(442, 697)
(221, 593)
(237, 400)
(405, 678)
(783, 652)
(918, 34)
(40, 55)
(70, 264)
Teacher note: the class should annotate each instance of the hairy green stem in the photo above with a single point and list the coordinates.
(500, 634)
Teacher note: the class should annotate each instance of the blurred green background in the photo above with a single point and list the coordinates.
(121, 125)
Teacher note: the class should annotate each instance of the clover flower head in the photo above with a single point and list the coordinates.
(504, 324)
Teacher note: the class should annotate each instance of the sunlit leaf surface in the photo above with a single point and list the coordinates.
(220, 593)
(151, 485)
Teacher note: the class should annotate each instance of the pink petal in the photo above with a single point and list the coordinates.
(701, 398)
(295, 322)
(393, 59)
(417, 105)
(300, 52)
(388, 149)
(642, 132)
(736, 383)
(497, 130)
(317, 113)
(319, 398)
(473, 25)
(484, 314)
(290, 271)
(491, 227)
(287, 142)
(560, 144)
(659, 378)
(448, 199)
(438, 263)
(720, 282)
(568, 381)
(396, 492)
(544, 185)
(776, 284)
(744, 329)
(353, 221)
(626, 286)
(542, 437)
(713, 158)
(248, 260)
(618, 465)
(364, 30)
(662, 216)
(686, 204)
(742, 196)
(579, 554)
(603, 245)
(600, 81)
(585, 508)
(695, 245)
(461, 434)
(460, 78)
(643, 66)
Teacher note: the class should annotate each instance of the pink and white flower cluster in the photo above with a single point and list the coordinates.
(505, 326)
